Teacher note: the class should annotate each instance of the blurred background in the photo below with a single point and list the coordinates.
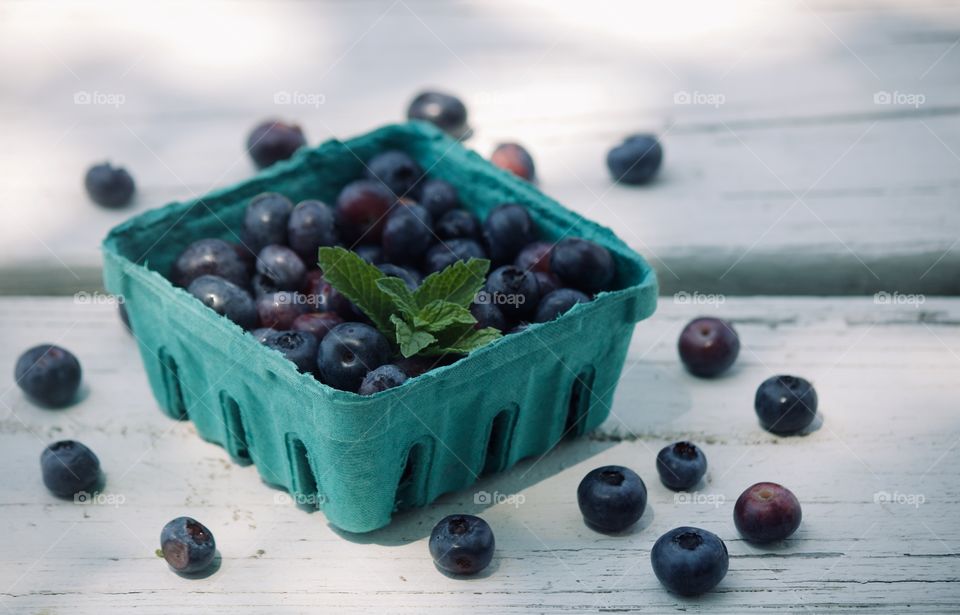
(811, 147)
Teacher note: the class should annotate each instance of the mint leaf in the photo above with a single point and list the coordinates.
(400, 294)
(439, 315)
(411, 341)
(466, 343)
(356, 279)
(458, 283)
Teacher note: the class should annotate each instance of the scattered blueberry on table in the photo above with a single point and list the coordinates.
(515, 158)
(708, 346)
(187, 545)
(681, 465)
(273, 141)
(767, 512)
(636, 160)
(462, 544)
(785, 405)
(69, 468)
(446, 111)
(49, 375)
(689, 561)
(109, 186)
(612, 498)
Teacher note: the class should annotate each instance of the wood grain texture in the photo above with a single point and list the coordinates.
(783, 175)
(878, 483)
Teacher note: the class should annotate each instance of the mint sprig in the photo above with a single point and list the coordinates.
(432, 320)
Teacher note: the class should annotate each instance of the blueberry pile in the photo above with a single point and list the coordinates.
(409, 226)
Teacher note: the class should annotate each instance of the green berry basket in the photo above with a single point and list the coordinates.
(360, 459)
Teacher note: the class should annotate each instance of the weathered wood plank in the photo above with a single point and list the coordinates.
(886, 375)
(799, 182)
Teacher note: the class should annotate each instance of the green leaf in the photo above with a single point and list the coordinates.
(472, 340)
(411, 341)
(401, 295)
(356, 279)
(438, 315)
(458, 283)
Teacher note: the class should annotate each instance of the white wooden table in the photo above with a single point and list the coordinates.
(878, 483)
(800, 136)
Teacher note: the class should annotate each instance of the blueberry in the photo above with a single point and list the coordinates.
(438, 197)
(548, 282)
(636, 160)
(681, 466)
(373, 254)
(298, 347)
(312, 224)
(187, 545)
(444, 254)
(612, 498)
(321, 296)
(785, 404)
(582, 264)
(506, 231)
(558, 302)
(265, 220)
(457, 224)
(281, 267)
(514, 158)
(262, 334)
(108, 186)
(535, 257)
(49, 375)
(708, 346)
(348, 352)
(262, 285)
(488, 315)
(767, 512)
(407, 234)
(226, 298)
(272, 141)
(362, 208)
(410, 277)
(68, 468)
(209, 256)
(445, 111)
(514, 291)
(317, 324)
(462, 544)
(397, 171)
(279, 310)
(383, 378)
(689, 561)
